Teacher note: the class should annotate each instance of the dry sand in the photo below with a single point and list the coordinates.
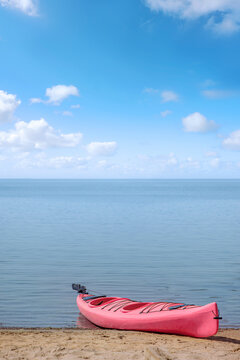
(73, 344)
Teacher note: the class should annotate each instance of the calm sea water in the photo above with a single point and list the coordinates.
(176, 240)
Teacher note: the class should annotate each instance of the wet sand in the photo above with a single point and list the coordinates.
(73, 344)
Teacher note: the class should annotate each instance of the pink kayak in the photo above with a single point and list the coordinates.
(163, 317)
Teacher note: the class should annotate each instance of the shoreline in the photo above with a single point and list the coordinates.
(94, 327)
(91, 329)
(96, 344)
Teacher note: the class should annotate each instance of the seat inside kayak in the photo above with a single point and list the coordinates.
(134, 306)
(102, 301)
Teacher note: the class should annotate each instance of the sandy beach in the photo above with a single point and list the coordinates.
(73, 344)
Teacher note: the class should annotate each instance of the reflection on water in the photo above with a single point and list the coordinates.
(83, 323)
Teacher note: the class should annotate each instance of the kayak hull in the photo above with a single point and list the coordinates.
(124, 314)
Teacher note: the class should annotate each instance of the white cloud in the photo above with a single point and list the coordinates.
(215, 162)
(197, 122)
(58, 93)
(28, 7)
(36, 101)
(169, 96)
(67, 113)
(169, 163)
(104, 164)
(102, 148)
(8, 104)
(208, 83)
(218, 94)
(223, 16)
(166, 113)
(37, 134)
(165, 95)
(151, 91)
(76, 106)
(143, 157)
(41, 160)
(2, 158)
(229, 24)
(210, 154)
(159, 161)
(171, 160)
(232, 142)
(65, 161)
(189, 163)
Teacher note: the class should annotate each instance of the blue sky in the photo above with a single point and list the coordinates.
(119, 89)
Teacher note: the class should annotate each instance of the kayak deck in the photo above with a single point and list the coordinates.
(125, 305)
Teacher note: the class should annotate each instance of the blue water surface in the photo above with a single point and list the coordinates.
(150, 240)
